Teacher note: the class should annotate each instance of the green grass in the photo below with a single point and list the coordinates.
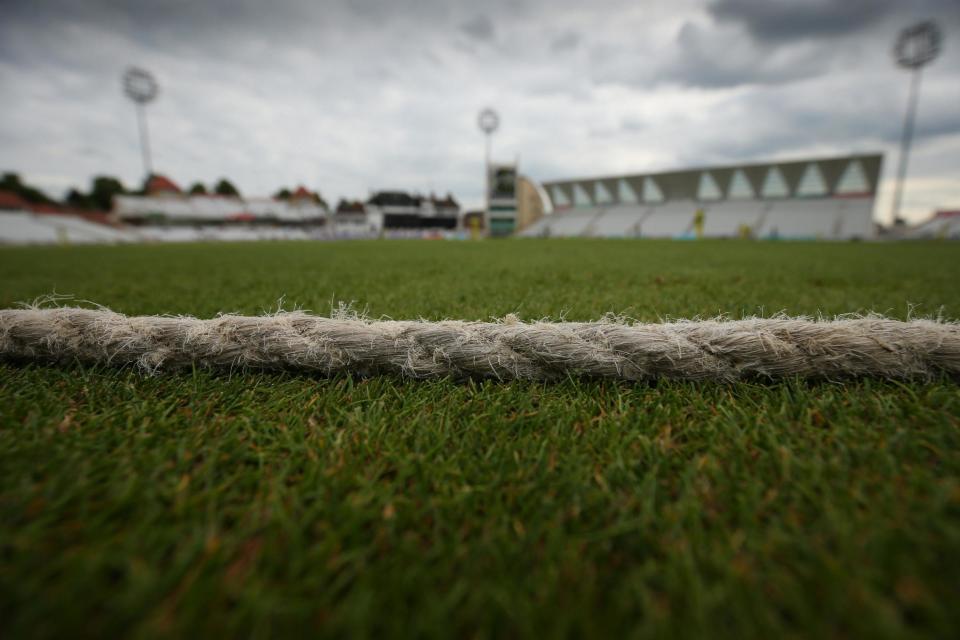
(282, 504)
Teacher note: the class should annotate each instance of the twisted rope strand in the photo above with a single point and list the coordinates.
(723, 350)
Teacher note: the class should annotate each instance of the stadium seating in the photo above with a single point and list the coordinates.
(224, 233)
(725, 219)
(78, 230)
(575, 222)
(669, 220)
(29, 228)
(942, 225)
(810, 218)
(215, 209)
(819, 218)
(829, 198)
(620, 221)
(23, 228)
(539, 229)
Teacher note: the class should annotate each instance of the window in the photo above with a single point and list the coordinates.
(601, 195)
(740, 188)
(559, 197)
(812, 183)
(707, 188)
(853, 180)
(625, 192)
(775, 185)
(580, 197)
(651, 191)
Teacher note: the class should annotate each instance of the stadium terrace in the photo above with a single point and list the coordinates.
(825, 198)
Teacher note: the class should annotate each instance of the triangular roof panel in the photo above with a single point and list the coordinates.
(774, 184)
(625, 192)
(601, 194)
(580, 196)
(651, 190)
(740, 187)
(707, 188)
(560, 199)
(812, 183)
(853, 180)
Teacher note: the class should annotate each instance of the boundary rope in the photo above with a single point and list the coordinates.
(722, 350)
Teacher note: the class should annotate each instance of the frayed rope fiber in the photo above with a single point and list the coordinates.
(722, 350)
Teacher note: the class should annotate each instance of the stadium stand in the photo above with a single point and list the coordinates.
(210, 209)
(538, 229)
(819, 219)
(402, 211)
(579, 222)
(227, 234)
(826, 198)
(943, 225)
(621, 221)
(575, 223)
(727, 219)
(24, 227)
(669, 220)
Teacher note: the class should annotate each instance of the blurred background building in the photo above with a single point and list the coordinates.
(532, 202)
(821, 198)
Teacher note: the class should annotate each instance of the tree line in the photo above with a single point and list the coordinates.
(104, 188)
(99, 197)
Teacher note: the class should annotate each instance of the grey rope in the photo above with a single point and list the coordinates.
(724, 350)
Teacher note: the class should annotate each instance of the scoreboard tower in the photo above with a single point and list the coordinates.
(501, 199)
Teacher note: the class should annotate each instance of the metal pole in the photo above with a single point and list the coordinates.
(906, 141)
(144, 140)
(486, 171)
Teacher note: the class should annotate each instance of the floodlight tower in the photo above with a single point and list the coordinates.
(140, 86)
(489, 122)
(916, 47)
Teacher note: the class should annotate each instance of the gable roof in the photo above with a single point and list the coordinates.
(447, 202)
(12, 201)
(301, 192)
(161, 184)
(394, 199)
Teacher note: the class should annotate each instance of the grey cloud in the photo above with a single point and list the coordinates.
(769, 124)
(779, 20)
(713, 59)
(773, 21)
(874, 124)
(627, 126)
(479, 27)
(708, 58)
(786, 41)
(566, 41)
(152, 22)
(346, 95)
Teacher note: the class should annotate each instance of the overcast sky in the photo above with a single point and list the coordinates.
(350, 96)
